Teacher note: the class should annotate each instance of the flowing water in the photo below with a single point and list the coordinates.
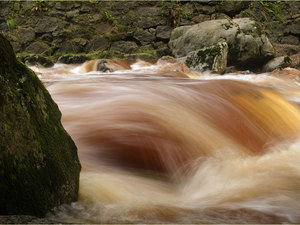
(162, 144)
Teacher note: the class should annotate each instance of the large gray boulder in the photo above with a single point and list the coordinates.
(246, 42)
(39, 167)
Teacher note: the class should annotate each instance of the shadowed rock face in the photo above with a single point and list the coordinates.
(246, 42)
(39, 166)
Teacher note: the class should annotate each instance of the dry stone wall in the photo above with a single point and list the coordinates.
(121, 28)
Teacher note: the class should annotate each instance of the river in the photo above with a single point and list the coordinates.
(162, 144)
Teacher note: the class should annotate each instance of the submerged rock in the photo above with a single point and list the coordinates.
(39, 167)
(247, 45)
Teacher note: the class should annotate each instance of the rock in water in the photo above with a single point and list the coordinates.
(39, 166)
(277, 63)
(213, 58)
(247, 45)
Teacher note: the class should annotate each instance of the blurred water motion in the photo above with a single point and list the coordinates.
(159, 147)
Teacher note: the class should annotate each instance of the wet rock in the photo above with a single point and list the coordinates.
(246, 42)
(295, 61)
(164, 51)
(277, 63)
(39, 167)
(212, 58)
(102, 66)
(98, 42)
(163, 32)
(37, 47)
(166, 59)
(124, 46)
(38, 60)
(72, 59)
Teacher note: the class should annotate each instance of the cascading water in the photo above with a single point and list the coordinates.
(158, 147)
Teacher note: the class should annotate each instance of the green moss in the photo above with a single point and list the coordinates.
(274, 8)
(108, 16)
(131, 14)
(11, 21)
(164, 10)
(147, 51)
(38, 157)
(297, 20)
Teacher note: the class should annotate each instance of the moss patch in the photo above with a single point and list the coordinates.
(39, 166)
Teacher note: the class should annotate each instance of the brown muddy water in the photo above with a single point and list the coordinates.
(162, 144)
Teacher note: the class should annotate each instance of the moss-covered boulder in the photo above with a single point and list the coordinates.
(247, 44)
(39, 166)
(212, 58)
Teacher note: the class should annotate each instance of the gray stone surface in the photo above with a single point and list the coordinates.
(124, 46)
(46, 24)
(144, 36)
(26, 35)
(37, 47)
(245, 41)
(98, 43)
(163, 32)
(212, 58)
(277, 63)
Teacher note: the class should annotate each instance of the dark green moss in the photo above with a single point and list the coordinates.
(39, 166)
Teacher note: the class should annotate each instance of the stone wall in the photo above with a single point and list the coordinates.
(132, 28)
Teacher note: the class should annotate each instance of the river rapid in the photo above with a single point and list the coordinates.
(162, 144)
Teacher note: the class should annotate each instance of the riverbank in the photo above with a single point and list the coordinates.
(41, 32)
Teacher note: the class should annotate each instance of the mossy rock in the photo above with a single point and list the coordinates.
(247, 44)
(39, 167)
(212, 58)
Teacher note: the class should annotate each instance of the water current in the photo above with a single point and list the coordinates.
(159, 143)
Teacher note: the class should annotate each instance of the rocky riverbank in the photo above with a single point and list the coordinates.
(43, 31)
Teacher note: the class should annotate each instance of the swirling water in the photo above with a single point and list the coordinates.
(159, 147)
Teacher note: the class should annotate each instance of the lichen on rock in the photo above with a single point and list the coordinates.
(212, 58)
(246, 41)
(39, 167)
